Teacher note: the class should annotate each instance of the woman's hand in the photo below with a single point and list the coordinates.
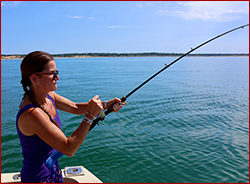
(117, 106)
(94, 106)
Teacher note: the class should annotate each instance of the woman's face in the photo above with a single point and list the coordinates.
(48, 78)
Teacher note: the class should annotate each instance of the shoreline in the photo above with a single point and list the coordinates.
(9, 57)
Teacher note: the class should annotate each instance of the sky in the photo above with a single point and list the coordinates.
(123, 26)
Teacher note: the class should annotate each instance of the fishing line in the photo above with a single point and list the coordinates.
(56, 155)
(123, 99)
(136, 84)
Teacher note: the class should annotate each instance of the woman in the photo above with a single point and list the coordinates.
(38, 123)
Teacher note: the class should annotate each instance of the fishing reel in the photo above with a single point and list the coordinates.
(101, 115)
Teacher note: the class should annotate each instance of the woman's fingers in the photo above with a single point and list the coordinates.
(118, 106)
(95, 106)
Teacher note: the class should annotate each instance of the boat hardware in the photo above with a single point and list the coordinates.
(74, 171)
(16, 176)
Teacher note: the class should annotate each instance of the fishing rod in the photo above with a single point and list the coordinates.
(101, 117)
(56, 154)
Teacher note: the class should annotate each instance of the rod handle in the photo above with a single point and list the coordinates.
(123, 99)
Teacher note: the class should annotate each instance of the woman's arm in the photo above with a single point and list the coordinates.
(36, 121)
(67, 105)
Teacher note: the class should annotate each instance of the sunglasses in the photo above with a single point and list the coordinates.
(55, 74)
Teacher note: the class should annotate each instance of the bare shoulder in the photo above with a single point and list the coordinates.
(30, 120)
(56, 97)
(53, 94)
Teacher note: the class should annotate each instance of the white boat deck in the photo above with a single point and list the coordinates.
(74, 174)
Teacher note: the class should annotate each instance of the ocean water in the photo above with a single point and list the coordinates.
(189, 124)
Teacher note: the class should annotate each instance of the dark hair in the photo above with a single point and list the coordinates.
(34, 62)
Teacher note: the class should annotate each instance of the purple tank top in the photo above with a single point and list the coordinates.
(35, 152)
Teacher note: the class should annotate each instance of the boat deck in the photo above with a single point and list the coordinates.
(74, 174)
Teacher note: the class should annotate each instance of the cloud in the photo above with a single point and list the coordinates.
(218, 11)
(10, 4)
(80, 17)
(140, 5)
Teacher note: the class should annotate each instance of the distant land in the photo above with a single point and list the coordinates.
(146, 54)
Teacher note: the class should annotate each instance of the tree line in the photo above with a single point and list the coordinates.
(145, 54)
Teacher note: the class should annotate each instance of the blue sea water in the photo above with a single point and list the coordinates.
(189, 124)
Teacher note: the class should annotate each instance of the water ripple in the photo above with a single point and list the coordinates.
(188, 125)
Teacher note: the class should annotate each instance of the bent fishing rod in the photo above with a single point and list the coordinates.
(56, 154)
(101, 117)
